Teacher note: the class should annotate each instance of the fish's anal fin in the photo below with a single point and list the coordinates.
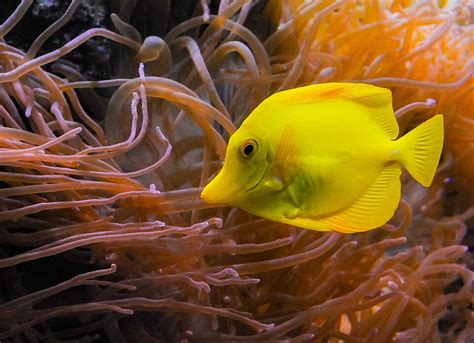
(373, 208)
(307, 223)
(285, 162)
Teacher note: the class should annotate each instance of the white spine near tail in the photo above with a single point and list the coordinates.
(420, 149)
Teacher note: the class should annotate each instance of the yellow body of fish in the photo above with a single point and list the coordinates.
(325, 157)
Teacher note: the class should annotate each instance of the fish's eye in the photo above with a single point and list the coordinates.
(248, 148)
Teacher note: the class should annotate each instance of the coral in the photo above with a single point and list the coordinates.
(102, 230)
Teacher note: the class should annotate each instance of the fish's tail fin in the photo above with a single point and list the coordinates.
(420, 149)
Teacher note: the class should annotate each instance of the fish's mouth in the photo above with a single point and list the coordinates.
(218, 190)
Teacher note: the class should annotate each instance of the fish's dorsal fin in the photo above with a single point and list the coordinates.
(285, 162)
(377, 100)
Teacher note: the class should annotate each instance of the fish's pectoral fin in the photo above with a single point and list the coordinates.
(285, 163)
(298, 193)
(373, 208)
(292, 213)
(274, 183)
(303, 186)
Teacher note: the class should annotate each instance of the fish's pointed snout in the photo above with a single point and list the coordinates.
(217, 192)
(206, 195)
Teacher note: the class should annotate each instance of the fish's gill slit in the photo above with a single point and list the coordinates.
(264, 174)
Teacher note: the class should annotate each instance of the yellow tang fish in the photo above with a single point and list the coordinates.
(325, 157)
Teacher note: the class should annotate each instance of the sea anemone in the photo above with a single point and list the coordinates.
(422, 52)
(102, 230)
